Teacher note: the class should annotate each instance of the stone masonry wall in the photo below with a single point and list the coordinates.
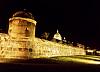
(44, 48)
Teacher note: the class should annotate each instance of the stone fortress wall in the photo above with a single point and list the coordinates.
(41, 48)
(20, 42)
(45, 48)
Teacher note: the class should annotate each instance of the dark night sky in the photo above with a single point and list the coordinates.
(78, 21)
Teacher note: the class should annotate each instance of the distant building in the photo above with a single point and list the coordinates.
(57, 37)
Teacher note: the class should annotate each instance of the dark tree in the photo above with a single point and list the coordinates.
(45, 35)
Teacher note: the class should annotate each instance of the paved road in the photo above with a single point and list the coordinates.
(55, 64)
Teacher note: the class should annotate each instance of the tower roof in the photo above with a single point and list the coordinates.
(23, 14)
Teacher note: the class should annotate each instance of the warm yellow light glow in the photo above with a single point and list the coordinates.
(27, 19)
(81, 59)
(58, 36)
(97, 51)
(49, 49)
(20, 42)
(90, 50)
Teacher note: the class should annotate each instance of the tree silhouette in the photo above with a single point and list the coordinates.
(45, 35)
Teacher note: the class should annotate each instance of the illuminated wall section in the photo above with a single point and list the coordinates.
(20, 42)
(10, 48)
(44, 48)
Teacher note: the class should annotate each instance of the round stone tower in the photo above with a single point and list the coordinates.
(22, 33)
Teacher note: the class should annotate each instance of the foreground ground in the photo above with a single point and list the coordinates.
(54, 64)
